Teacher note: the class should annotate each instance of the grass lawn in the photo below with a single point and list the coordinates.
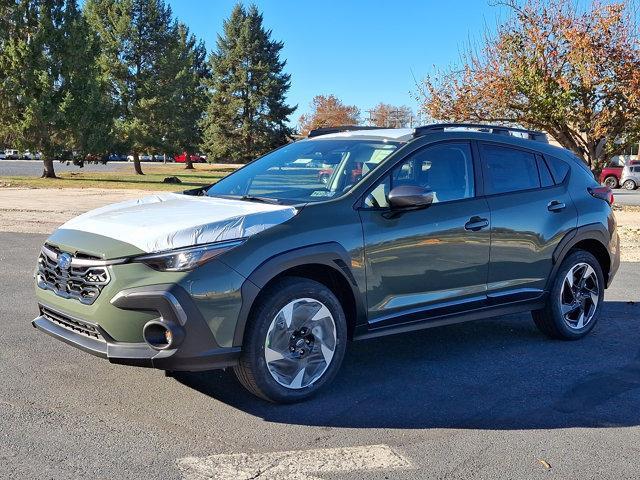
(125, 178)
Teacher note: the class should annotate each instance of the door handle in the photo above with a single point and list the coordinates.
(556, 206)
(476, 223)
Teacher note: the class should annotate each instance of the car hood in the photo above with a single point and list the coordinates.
(171, 220)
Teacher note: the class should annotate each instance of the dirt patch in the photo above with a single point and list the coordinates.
(43, 210)
(629, 243)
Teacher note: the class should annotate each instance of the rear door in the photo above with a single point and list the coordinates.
(530, 214)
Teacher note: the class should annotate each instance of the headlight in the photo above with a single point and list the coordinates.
(183, 259)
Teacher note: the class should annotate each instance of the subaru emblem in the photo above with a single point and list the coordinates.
(64, 261)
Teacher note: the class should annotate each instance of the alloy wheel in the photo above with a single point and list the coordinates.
(611, 182)
(579, 296)
(300, 343)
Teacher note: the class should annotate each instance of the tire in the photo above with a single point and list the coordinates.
(273, 331)
(611, 182)
(629, 185)
(568, 326)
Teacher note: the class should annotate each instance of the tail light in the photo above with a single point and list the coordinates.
(603, 193)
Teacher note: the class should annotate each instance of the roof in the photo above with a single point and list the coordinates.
(402, 134)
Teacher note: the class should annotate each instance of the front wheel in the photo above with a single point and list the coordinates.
(294, 343)
(629, 185)
(575, 299)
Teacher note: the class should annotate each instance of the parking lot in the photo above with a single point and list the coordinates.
(482, 400)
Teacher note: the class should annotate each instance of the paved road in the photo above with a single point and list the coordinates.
(34, 167)
(627, 197)
(491, 399)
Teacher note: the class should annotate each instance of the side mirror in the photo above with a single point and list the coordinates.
(408, 197)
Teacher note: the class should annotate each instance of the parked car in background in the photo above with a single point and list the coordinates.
(12, 154)
(117, 157)
(28, 155)
(273, 272)
(631, 176)
(611, 174)
(194, 158)
(2, 155)
(143, 158)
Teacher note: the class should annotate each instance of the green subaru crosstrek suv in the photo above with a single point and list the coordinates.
(273, 269)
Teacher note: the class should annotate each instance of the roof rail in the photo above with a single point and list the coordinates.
(316, 132)
(495, 129)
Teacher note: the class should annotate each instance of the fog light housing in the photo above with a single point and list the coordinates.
(162, 336)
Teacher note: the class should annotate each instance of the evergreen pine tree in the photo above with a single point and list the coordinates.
(136, 35)
(187, 70)
(49, 81)
(247, 113)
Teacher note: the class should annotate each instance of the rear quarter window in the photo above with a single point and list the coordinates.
(559, 168)
(546, 179)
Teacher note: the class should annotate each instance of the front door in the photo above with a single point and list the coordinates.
(427, 262)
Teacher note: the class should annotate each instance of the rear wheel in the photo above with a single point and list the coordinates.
(611, 182)
(575, 298)
(629, 185)
(294, 343)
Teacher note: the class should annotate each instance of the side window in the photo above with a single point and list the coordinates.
(445, 169)
(559, 169)
(545, 175)
(509, 169)
(636, 169)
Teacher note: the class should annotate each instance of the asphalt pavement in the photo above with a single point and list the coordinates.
(627, 197)
(490, 399)
(34, 167)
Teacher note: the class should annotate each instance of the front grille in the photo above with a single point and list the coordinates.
(81, 282)
(77, 326)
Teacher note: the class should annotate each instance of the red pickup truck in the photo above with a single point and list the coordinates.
(610, 175)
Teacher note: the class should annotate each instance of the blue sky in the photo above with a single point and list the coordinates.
(362, 51)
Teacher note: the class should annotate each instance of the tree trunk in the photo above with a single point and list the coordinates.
(136, 163)
(48, 171)
(188, 164)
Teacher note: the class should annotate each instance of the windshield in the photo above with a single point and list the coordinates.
(305, 171)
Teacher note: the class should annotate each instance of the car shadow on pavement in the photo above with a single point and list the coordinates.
(494, 374)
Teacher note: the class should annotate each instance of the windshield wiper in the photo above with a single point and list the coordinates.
(253, 198)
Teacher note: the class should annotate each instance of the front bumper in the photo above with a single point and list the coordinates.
(173, 306)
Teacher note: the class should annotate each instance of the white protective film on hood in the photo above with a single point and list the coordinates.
(170, 220)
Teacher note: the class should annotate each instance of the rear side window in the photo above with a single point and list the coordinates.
(636, 169)
(545, 175)
(508, 169)
(559, 169)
